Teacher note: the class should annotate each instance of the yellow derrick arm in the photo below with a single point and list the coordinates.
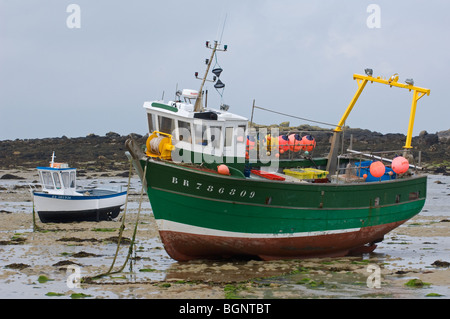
(362, 81)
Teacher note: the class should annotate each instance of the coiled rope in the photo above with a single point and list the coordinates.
(154, 144)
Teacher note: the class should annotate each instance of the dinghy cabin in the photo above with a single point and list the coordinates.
(59, 179)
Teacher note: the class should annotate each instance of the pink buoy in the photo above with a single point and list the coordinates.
(223, 169)
(308, 143)
(377, 169)
(400, 165)
(283, 142)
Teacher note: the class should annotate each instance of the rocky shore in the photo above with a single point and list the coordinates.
(100, 153)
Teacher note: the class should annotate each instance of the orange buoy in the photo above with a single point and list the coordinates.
(294, 142)
(400, 165)
(377, 169)
(308, 143)
(223, 169)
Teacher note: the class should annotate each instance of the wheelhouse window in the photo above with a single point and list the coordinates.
(151, 122)
(166, 125)
(241, 138)
(216, 136)
(184, 131)
(200, 134)
(228, 136)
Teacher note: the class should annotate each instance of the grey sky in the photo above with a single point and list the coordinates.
(297, 57)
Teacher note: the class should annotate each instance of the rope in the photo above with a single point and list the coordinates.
(122, 227)
(130, 249)
(154, 144)
(300, 118)
(35, 226)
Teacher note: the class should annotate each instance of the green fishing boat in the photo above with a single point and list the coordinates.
(220, 189)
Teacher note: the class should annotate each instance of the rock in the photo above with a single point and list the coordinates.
(439, 263)
(112, 135)
(124, 174)
(18, 266)
(11, 176)
(423, 133)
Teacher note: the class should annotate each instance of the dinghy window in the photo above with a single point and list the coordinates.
(68, 179)
(47, 180)
(166, 125)
(72, 179)
(57, 181)
(65, 176)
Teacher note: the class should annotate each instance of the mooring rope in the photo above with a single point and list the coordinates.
(130, 249)
(122, 227)
(35, 226)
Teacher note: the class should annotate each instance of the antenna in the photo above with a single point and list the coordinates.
(223, 27)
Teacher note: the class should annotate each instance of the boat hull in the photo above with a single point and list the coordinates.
(63, 208)
(205, 215)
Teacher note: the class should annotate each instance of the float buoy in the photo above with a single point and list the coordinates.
(223, 169)
(400, 165)
(377, 169)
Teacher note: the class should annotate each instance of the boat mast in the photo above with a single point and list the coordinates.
(198, 107)
(199, 102)
(52, 163)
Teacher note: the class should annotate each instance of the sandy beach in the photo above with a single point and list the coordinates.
(41, 260)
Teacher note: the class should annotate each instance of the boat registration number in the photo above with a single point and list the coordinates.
(214, 189)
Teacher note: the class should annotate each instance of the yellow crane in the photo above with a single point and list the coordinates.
(362, 80)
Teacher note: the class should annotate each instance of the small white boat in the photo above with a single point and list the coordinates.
(60, 201)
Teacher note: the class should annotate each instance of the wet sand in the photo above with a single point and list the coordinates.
(39, 263)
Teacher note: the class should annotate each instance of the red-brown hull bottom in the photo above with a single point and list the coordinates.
(184, 246)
